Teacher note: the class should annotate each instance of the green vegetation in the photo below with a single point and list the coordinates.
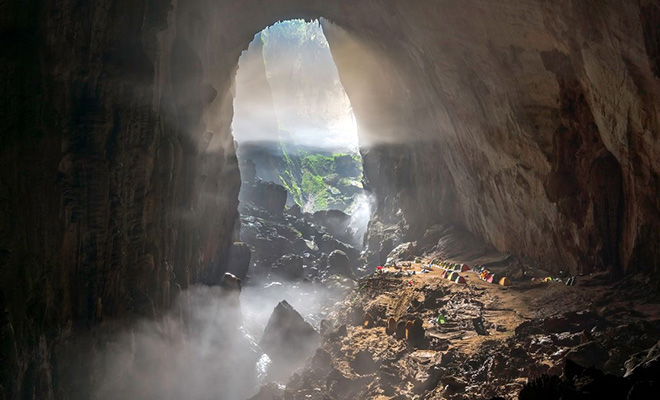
(319, 181)
(319, 164)
(315, 180)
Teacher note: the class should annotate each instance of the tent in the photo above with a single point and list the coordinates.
(505, 281)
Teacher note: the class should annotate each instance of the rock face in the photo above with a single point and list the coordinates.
(519, 139)
(267, 195)
(533, 125)
(338, 263)
(289, 266)
(287, 337)
(239, 259)
(336, 223)
(289, 247)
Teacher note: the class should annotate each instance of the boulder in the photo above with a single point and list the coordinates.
(327, 244)
(644, 365)
(231, 283)
(339, 264)
(402, 252)
(288, 337)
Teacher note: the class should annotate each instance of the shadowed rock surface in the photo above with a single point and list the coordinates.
(287, 337)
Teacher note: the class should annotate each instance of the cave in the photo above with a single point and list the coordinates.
(298, 152)
(510, 151)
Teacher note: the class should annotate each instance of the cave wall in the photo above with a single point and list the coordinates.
(112, 197)
(532, 124)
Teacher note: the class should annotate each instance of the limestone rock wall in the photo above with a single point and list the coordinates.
(533, 125)
(113, 193)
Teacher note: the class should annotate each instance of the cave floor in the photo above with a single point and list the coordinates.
(493, 339)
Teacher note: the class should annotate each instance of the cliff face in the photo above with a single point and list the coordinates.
(533, 125)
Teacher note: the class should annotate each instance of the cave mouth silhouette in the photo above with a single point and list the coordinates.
(294, 126)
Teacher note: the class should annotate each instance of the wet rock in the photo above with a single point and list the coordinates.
(290, 267)
(231, 299)
(288, 337)
(453, 384)
(382, 238)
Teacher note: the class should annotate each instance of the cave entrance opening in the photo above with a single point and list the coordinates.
(297, 146)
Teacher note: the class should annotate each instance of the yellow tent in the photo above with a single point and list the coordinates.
(505, 281)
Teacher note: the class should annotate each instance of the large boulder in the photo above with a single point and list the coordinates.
(644, 365)
(402, 252)
(288, 337)
(327, 244)
(339, 264)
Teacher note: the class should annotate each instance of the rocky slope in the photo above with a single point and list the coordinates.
(534, 125)
(424, 337)
(289, 245)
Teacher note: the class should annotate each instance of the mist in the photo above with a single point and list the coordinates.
(288, 88)
(360, 215)
(206, 347)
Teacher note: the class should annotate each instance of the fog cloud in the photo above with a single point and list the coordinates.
(206, 349)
